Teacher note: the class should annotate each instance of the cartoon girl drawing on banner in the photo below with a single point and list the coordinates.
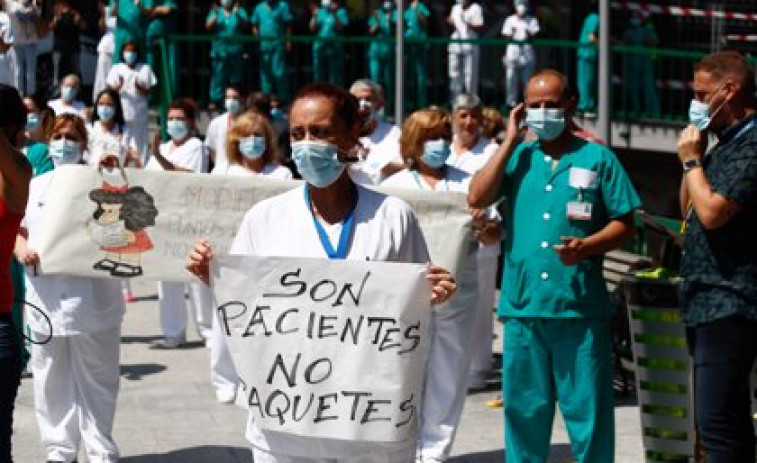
(118, 227)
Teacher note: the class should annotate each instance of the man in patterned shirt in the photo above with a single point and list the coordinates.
(719, 293)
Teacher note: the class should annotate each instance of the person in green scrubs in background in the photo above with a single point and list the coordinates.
(381, 24)
(570, 203)
(273, 18)
(162, 17)
(639, 66)
(329, 20)
(416, 56)
(225, 57)
(587, 64)
(131, 25)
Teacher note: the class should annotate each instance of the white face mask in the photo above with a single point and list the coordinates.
(520, 9)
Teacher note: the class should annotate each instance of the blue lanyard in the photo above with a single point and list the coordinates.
(344, 235)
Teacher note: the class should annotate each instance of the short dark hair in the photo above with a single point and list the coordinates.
(237, 88)
(118, 117)
(185, 104)
(138, 210)
(723, 64)
(345, 104)
(14, 110)
(259, 102)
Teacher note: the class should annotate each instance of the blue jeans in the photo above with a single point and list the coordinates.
(723, 352)
(10, 366)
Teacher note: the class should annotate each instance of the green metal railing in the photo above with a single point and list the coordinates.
(671, 70)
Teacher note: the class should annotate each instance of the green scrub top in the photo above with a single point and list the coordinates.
(590, 26)
(413, 26)
(37, 154)
(271, 19)
(228, 24)
(385, 21)
(130, 25)
(326, 21)
(535, 283)
(162, 25)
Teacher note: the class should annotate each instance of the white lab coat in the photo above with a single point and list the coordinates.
(386, 229)
(383, 147)
(133, 101)
(76, 373)
(450, 349)
(519, 59)
(464, 57)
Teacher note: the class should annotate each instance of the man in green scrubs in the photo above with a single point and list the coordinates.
(272, 18)
(570, 201)
(226, 57)
(416, 20)
(328, 57)
(639, 66)
(587, 64)
(130, 27)
(162, 20)
(381, 24)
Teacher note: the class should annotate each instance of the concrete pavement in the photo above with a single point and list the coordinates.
(167, 412)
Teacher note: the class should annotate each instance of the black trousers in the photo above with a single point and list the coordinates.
(10, 378)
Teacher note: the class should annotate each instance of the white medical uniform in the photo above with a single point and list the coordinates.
(25, 45)
(472, 161)
(519, 59)
(75, 107)
(464, 57)
(386, 229)
(102, 142)
(383, 147)
(105, 49)
(133, 101)
(223, 375)
(190, 155)
(450, 349)
(76, 373)
(215, 139)
(6, 59)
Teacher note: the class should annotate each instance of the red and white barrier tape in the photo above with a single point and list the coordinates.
(741, 38)
(664, 84)
(682, 11)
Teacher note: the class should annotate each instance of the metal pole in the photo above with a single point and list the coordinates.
(399, 75)
(603, 109)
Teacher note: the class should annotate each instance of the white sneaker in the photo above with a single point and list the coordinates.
(170, 343)
(225, 396)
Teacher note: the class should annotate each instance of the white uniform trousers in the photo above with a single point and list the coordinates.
(483, 328)
(223, 374)
(104, 63)
(76, 381)
(173, 309)
(463, 72)
(401, 455)
(139, 129)
(516, 78)
(447, 370)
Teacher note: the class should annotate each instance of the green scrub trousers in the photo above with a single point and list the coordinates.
(568, 361)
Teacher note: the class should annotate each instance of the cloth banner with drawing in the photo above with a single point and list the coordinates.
(322, 347)
(143, 224)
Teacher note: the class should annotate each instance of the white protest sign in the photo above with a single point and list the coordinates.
(184, 207)
(332, 349)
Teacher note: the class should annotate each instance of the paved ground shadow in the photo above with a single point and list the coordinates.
(139, 370)
(203, 454)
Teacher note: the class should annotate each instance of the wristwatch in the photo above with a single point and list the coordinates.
(690, 164)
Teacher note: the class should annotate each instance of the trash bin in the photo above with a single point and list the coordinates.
(663, 369)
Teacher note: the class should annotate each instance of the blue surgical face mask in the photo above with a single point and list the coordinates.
(252, 147)
(388, 5)
(546, 123)
(65, 151)
(130, 57)
(105, 112)
(177, 129)
(232, 105)
(435, 153)
(318, 162)
(32, 121)
(68, 93)
(277, 114)
(700, 115)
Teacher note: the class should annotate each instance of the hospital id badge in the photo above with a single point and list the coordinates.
(579, 210)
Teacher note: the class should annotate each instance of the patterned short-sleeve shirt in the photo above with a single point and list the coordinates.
(720, 266)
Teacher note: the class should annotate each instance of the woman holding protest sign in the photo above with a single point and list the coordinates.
(15, 174)
(251, 151)
(76, 325)
(425, 147)
(325, 128)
